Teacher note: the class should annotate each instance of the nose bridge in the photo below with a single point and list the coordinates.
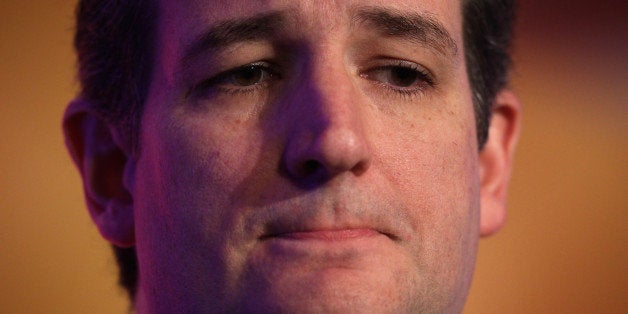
(329, 137)
(329, 93)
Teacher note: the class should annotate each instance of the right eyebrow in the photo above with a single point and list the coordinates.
(228, 32)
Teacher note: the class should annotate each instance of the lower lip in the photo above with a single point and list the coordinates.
(329, 235)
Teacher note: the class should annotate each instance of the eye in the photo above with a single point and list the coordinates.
(246, 78)
(401, 76)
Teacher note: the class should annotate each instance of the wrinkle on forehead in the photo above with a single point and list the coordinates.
(420, 28)
(185, 24)
(322, 14)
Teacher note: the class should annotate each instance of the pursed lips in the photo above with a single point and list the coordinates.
(325, 246)
(338, 225)
(325, 234)
(344, 237)
(329, 219)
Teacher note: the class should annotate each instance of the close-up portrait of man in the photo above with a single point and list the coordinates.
(294, 156)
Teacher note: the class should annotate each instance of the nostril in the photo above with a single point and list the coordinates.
(360, 167)
(307, 174)
(310, 167)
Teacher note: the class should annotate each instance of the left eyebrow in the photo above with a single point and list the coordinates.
(419, 28)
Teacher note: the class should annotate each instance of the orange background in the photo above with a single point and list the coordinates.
(564, 249)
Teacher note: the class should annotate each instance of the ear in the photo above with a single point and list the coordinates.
(496, 160)
(105, 167)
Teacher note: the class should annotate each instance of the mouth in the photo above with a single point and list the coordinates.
(340, 225)
(327, 235)
(338, 247)
(331, 235)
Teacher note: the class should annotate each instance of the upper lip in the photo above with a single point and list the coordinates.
(323, 211)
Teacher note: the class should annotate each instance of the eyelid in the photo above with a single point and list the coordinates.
(216, 81)
(379, 71)
(391, 63)
(264, 65)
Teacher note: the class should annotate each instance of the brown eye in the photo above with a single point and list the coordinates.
(246, 78)
(248, 75)
(401, 76)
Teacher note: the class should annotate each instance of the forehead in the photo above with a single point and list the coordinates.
(186, 19)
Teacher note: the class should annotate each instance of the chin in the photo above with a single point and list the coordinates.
(327, 288)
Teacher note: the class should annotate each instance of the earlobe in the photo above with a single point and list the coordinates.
(104, 166)
(496, 160)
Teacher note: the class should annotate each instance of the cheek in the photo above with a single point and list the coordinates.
(186, 174)
(432, 156)
(433, 166)
(439, 178)
(183, 202)
(195, 165)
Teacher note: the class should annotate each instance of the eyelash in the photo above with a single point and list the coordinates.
(219, 83)
(422, 76)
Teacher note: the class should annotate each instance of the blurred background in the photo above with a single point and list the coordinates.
(564, 248)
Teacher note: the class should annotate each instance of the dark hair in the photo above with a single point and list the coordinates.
(114, 41)
(487, 31)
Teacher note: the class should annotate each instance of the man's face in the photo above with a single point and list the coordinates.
(301, 155)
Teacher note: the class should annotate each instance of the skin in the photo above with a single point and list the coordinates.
(323, 185)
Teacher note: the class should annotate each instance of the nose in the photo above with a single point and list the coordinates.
(327, 136)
